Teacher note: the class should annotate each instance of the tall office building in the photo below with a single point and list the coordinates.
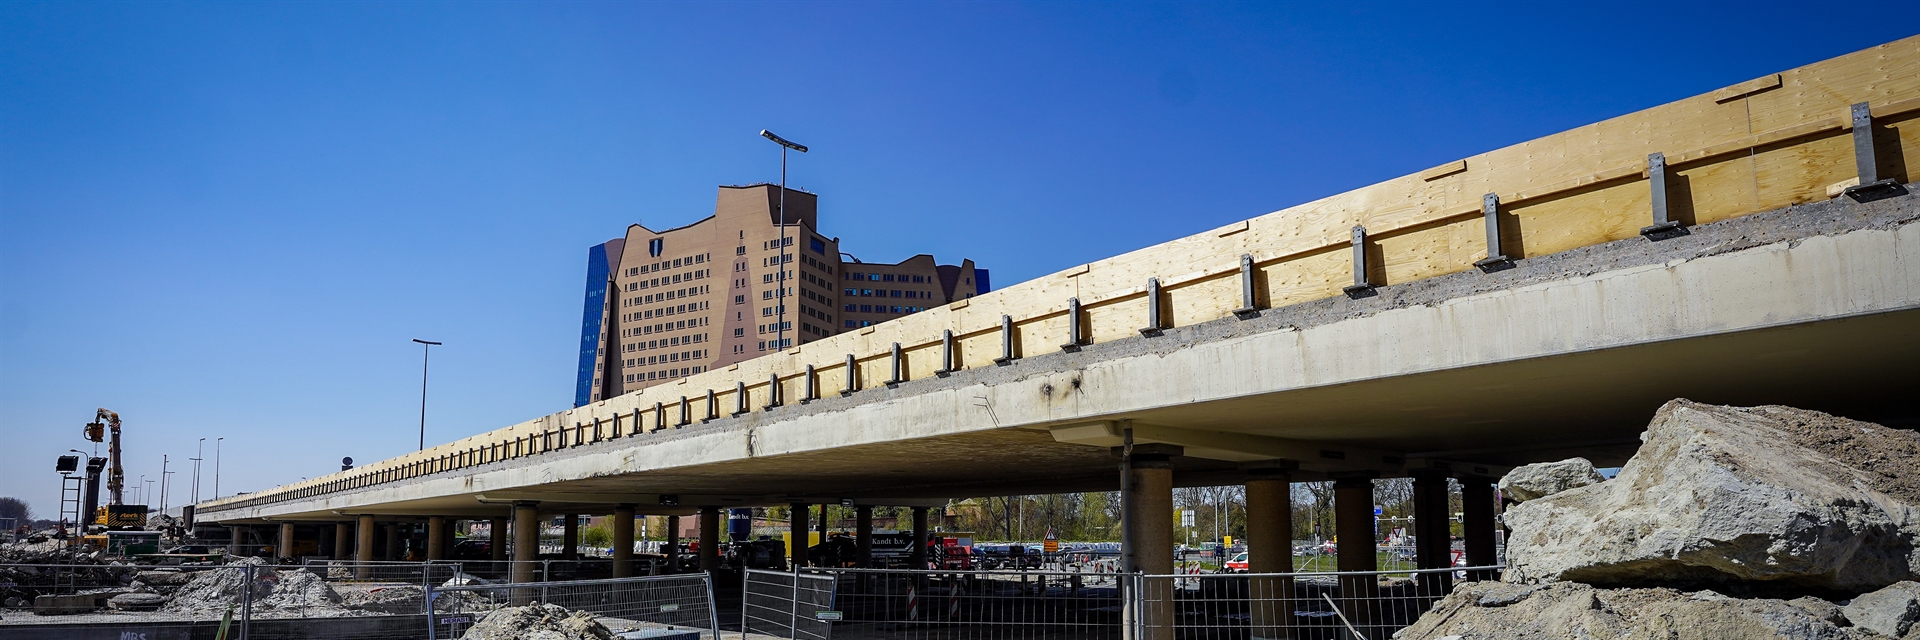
(661, 305)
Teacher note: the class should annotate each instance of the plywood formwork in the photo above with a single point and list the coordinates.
(1770, 142)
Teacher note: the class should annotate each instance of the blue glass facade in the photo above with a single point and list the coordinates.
(982, 282)
(597, 271)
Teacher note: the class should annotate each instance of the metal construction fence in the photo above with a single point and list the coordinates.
(969, 605)
(787, 605)
(621, 604)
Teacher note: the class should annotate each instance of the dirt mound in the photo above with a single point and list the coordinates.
(538, 622)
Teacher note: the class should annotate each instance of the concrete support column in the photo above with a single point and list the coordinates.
(497, 538)
(526, 540)
(863, 534)
(673, 544)
(342, 540)
(919, 538)
(1433, 544)
(823, 524)
(1353, 525)
(395, 549)
(233, 543)
(623, 541)
(570, 537)
(436, 537)
(1148, 520)
(709, 538)
(363, 546)
(1270, 550)
(284, 548)
(1477, 522)
(797, 530)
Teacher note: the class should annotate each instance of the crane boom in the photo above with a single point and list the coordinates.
(116, 477)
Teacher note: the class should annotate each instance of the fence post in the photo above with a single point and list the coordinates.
(713, 609)
(246, 604)
(746, 587)
(429, 596)
(793, 606)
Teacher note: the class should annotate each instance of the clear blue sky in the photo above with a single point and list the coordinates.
(229, 219)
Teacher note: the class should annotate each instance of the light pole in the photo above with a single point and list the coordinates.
(216, 468)
(163, 483)
(199, 453)
(146, 491)
(780, 284)
(426, 347)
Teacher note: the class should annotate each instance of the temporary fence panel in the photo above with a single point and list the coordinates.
(977, 604)
(788, 605)
(1301, 606)
(622, 604)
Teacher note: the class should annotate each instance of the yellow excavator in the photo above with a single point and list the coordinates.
(115, 515)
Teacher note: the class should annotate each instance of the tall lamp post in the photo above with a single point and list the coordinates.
(426, 348)
(779, 299)
(199, 453)
(216, 468)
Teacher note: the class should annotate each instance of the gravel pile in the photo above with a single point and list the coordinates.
(276, 594)
(538, 622)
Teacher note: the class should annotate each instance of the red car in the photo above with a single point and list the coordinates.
(1238, 564)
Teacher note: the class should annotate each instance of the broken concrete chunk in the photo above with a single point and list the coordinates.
(1543, 479)
(1891, 612)
(1722, 495)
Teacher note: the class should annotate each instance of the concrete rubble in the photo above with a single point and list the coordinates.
(1729, 522)
(290, 593)
(1543, 479)
(538, 622)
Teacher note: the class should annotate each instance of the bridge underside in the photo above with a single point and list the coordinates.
(1810, 307)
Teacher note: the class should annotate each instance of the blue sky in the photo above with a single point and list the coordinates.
(229, 219)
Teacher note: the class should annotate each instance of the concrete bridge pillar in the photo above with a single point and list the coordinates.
(497, 538)
(1433, 547)
(396, 549)
(673, 544)
(1477, 522)
(1270, 550)
(436, 537)
(797, 530)
(526, 540)
(570, 537)
(233, 542)
(623, 541)
(919, 537)
(363, 546)
(1149, 524)
(284, 547)
(1353, 525)
(342, 540)
(863, 534)
(709, 538)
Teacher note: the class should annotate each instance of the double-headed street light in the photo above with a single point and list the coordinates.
(426, 346)
(779, 299)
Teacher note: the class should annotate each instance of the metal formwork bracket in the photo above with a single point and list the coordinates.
(713, 405)
(1154, 326)
(1496, 259)
(686, 412)
(740, 398)
(1871, 187)
(812, 386)
(853, 376)
(1662, 227)
(1361, 287)
(1006, 340)
(946, 353)
(1249, 306)
(1073, 325)
(898, 360)
(659, 416)
(773, 392)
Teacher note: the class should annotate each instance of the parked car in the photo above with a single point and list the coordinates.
(1237, 565)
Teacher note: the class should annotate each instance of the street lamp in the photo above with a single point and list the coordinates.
(426, 346)
(199, 453)
(779, 300)
(216, 468)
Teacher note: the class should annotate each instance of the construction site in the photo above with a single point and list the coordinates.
(1646, 378)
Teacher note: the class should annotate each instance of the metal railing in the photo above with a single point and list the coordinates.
(621, 604)
(787, 605)
(976, 604)
(1351, 604)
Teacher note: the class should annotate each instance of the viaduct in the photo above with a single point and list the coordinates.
(1752, 245)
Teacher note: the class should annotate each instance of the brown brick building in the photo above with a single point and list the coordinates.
(661, 305)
